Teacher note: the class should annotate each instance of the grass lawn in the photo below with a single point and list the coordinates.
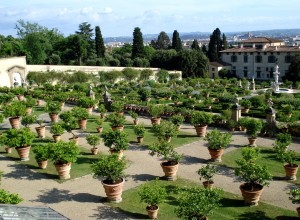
(80, 168)
(182, 138)
(232, 206)
(268, 158)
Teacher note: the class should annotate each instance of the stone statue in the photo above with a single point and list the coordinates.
(247, 85)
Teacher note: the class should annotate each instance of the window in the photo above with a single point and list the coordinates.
(245, 59)
(258, 59)
(245, 73)
(265, 53)
(227, 53)
(213, 69)
(258, 74)
(267, 68)
(287, 58)
(251, 53)
(278, 53)
(271, 59)
(233, 58)
(240, 53)
(245, 67)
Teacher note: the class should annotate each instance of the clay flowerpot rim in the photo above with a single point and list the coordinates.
(104, 182)
(150, 207)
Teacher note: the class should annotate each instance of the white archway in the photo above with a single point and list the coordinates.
(17, 79)
(16, 74)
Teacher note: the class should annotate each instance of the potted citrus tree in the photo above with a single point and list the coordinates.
(28, 120)
(155, 112)
(152, 194)
(102, 110)
(177, 120)
(295, 197)
(41, 155)
(198, 203)
(53, 108)
(207, 173)
(246, 104)
(69, 124)
(111, 169)
(93, 140)
(86, 102)
(116, 121)
(165, 130)
(116, 141)
(201, 120)
(63, 154)
(135, 117)
(254, 175)
(170, 158)
(253, 127)
(217, 142)
(14, 111)
(81, 114)
(99, 122)
(57, 130)
(139, 131)
(41, 129)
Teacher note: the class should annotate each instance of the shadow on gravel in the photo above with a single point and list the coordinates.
(143, 177)
(87, 197)
(135, 146)
(187, 160)
(106, 212)
(53, 196)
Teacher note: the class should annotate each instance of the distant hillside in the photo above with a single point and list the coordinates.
(278, 33)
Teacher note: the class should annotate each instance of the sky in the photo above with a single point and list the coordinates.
(120, 17)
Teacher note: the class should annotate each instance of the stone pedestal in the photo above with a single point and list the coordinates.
(236, 112)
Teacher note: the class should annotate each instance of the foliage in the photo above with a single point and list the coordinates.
(53, 107)
(133, 115)
(200, 118)
(86, 102)
(293, 73)
(109, 167)
(217, 139)
(215, 46)
(145, 74)
(246, 103)
(99, 43)
(115, 140)
(165, 130)
(177, 120)
(117, 106)
(57, 129)
(99, 121)
(207, 172)
(115, 119)
(28, 120)
(41, 152)
(130, 74)
(250, 171)
(63, 152)
(152, 194)
(156, 110)
(14, 109)
(253, 126)
(176, 41)
(165, 150)
(294, 195)
(93, 139)
(80, 113)
(22, 137)
(284, 138)
(9, 198)
(101, 108)
(198, 203)
(162, 76)
(29, 102)
(138, 49)
(139, 130)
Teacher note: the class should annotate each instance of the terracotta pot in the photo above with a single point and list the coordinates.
(245, 110)
(75, 139)
(201, 130)
(298, 211)
(38, 102)
(140, 139)
(20, 97)
(56, 138)
(251, 197)
(152, 211)
(120, 153)
(41, 131)
(28, 111)
(90, 110)
(136, 121)
(291, 171)
(23, 152)
(155, 121)
(63, 170)
(216, 154)
(208, 184)
(43, 164)
(14, 122)
(99, 129)
(82, 124)
(113, 191)
(114, 128)
(252, 142)
(102, 115)
(94, 150)
(53, 117)
(170, 170)
(8, 150)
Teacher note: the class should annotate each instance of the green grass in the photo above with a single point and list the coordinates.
(232, 206)
(268, 158)
(182, 138)
(80, 168)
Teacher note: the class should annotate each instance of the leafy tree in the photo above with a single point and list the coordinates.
(293, 73)
(164, 59)
(138, 44)
(130, 74)
(215, 45)
(163, 41)
(78, 47)
(224, 42)
(176, 41)
(99, 43)
(86, 33)
(195, 45)
(24, 28)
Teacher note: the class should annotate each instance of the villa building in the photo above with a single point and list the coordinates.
(257, 58)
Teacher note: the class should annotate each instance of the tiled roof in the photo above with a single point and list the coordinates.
(293, 49)
(262, 40)
(219, 64)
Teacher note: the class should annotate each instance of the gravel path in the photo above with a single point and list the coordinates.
(83, 198)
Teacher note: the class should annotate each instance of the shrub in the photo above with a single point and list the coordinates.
(165, 150)
(139, 130)
(63, 152)
(207, 172)
(217, 139)
(152, 193)
(93, 140)
(115, 140)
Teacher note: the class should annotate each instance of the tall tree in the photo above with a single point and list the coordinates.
(163, 41)
(215, 45)
(224, 42)
(176, 41)
(78, 47)
(137, 44)
(195, 45)
(293, 73)
(99, 43)
(87, 33)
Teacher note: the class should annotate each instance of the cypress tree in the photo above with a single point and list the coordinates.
(99, 43)
(176, 41)
(224, 42)
(215, 45)
(195, 45)
(137, 44)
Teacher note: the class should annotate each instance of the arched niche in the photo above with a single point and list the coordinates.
(16, 74)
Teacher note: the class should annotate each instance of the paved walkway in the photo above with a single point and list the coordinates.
(83, 198)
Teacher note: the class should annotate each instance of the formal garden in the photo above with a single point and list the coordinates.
(67, 127)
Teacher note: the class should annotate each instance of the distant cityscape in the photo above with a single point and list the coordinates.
(291, 37)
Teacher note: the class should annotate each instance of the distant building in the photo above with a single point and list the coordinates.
(257, 57)
(215, 67)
